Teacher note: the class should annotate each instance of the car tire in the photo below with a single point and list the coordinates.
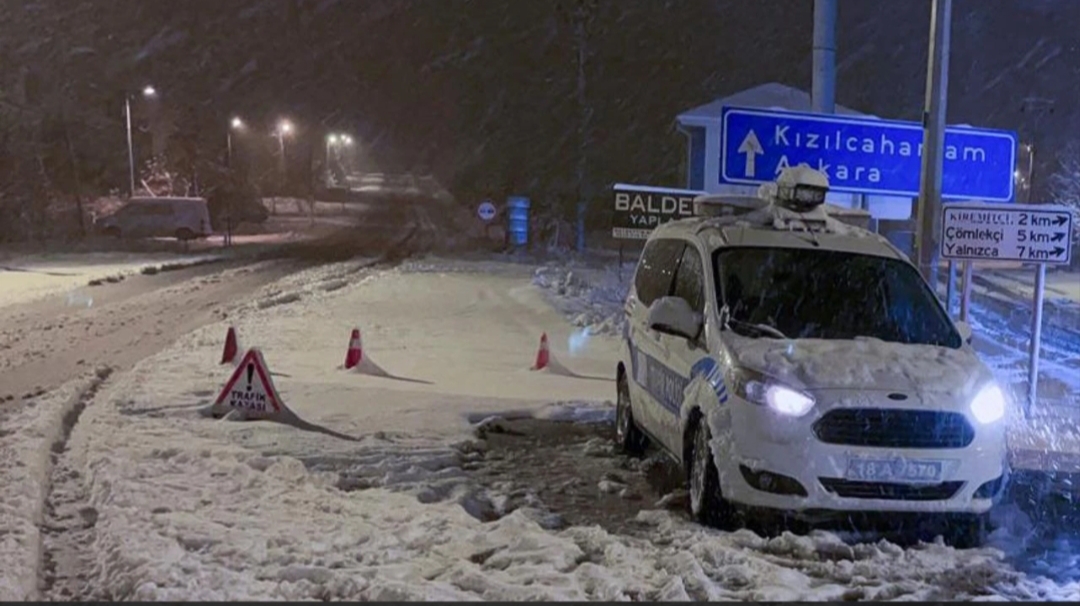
(113, 232)
(707, 503)
(184, 234)
(629, 439)
(967, 532)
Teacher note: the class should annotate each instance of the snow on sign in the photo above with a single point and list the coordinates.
(863, 155)
(250, 389)
(486, 211)
(640, 208)
(1006, 232)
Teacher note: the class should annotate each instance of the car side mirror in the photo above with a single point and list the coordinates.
(674, 316)
(965, 331)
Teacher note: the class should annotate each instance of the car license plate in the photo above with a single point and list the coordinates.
(917, 471)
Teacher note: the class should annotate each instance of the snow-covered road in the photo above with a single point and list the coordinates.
(153, 501)
(47, 340)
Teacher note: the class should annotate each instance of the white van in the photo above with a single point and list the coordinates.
(794, 363)
(180, 218)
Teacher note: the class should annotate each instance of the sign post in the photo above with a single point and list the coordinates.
(1031, 233)
(1036, 336)
(965, 293)
(863, 155)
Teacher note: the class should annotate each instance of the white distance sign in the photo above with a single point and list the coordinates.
(1006, 232)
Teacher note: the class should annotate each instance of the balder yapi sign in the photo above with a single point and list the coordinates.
(640, 208)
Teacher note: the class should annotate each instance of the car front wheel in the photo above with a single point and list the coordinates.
(707, 503)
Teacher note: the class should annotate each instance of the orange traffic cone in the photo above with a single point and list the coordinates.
(543, 355)
(232, 347)
(356, 351)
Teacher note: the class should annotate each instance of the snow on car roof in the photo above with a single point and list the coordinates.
(772, 225)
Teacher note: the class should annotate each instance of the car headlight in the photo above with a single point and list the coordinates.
(988, 405)
(780, 398)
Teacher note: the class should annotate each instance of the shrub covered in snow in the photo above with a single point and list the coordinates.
(592, 298)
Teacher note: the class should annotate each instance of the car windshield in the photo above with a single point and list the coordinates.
(825, 294)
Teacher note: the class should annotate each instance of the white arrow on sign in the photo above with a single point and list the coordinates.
(751, 147)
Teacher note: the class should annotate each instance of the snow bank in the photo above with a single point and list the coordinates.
(27, 279)
(591, 298)
(27, 438)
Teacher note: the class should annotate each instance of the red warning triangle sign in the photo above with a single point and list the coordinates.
(250, 388)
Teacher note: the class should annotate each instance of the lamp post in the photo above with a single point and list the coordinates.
(147, 92)
(284, 127)
(331, 140)
(235, 124)
(347, 141)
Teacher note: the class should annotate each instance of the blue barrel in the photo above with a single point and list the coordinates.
(518, 216)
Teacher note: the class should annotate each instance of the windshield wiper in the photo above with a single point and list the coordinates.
(765, 328)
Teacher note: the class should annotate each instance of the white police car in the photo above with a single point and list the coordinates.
(793, 362)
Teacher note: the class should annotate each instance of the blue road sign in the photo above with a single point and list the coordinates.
(863, 155)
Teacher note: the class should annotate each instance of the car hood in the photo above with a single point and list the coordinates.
(863, 364)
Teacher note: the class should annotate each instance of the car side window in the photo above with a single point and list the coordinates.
(656, 270)
(690, 280)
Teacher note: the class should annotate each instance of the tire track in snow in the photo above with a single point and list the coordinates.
(67, 530)
(30, 448)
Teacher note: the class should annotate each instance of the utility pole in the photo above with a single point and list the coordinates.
(1040, 107)
(823, 89)
(579, 16)
(583, 13)
(937, 94)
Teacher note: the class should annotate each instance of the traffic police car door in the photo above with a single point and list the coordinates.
(690, 357)
(652, 383)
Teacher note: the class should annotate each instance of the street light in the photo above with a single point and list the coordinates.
(235, 124)
(284, 127)
(147, 92)
(331, 140)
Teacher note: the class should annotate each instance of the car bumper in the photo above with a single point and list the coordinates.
(778, 463)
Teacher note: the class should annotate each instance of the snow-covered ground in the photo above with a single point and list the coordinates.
(187, 507)
(25, 279)
(1062, 287)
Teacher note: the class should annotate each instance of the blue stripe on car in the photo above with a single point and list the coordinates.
(666, 385)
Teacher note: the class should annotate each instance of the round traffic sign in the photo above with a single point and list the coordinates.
(486, 211)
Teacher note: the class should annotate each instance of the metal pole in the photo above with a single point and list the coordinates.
(1036, 337)
(950, 288)
(937, 86)
(281, 147)
(228, 144)
(131, 149)
(823, 88)
(965, 294)
(1030, 172)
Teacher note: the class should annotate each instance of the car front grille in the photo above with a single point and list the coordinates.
(894, 428)
(891, 492)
